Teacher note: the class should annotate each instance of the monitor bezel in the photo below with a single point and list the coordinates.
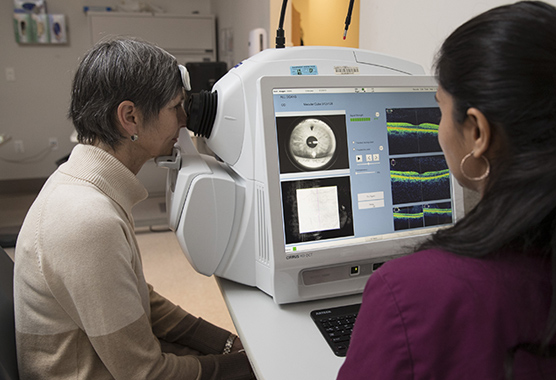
(351, 252)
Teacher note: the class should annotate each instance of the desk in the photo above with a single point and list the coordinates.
(282, 341)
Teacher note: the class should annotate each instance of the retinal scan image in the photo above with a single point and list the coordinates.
(418, 179)
(427, 215)
(413, 130)
(309, 143)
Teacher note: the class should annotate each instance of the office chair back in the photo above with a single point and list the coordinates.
(8, 359)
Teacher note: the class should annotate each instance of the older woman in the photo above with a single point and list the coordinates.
(83, 307)
(479, 300)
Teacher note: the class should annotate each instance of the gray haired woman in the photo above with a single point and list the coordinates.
(83, 308)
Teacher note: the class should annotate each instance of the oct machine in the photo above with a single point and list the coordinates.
(326, 164)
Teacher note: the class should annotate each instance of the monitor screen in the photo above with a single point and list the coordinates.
(359, 164)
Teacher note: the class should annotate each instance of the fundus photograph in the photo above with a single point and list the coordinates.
(317, 209)
(412, 130)
(311, 143)
(418, 179)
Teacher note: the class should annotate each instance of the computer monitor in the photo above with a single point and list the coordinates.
(358, 164)
(319, 178)
(356, 176)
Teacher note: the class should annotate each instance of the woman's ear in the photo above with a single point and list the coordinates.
(128, 117)
(480, 131)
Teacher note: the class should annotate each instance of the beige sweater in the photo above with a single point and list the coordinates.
(83, 308)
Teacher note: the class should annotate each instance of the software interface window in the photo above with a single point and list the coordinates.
(359, 164)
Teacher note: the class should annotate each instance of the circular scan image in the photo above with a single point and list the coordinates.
(312, 144)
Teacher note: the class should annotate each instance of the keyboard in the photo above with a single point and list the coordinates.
(336, 325)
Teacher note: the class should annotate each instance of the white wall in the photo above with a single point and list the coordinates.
(414, 30)
(33, 108)
(240, 17)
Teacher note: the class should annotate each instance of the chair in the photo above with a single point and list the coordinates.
(8, 359)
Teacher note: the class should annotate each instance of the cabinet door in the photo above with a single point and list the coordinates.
(177, 34)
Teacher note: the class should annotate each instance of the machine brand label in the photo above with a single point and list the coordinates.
(304, 70)
(299, 256)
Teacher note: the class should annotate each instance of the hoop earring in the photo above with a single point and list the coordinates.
(474, 179)
(134, 137)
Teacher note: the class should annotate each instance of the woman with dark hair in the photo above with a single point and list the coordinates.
(478, 300)
(83, 308)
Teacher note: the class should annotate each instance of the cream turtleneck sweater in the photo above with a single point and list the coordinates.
(83, 308)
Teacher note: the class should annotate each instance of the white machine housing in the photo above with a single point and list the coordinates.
(226, 211)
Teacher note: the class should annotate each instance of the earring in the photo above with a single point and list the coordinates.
(474, 179)
(134, 137)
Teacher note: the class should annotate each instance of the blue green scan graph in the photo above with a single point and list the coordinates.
(413, 130)
(419, 179)
(419, 175)
(427, 215)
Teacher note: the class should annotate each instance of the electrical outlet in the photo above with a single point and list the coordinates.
(10, 74)
(18, 146)
(53, 143)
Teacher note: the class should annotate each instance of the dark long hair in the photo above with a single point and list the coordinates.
(503, 62)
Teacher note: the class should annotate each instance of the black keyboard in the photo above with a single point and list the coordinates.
(336, 325)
